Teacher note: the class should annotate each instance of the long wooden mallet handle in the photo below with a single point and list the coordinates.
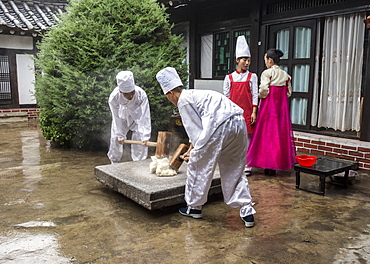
(149, 144)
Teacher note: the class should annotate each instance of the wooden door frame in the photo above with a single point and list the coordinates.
(365, 122)
(13, 77)
(290, 62)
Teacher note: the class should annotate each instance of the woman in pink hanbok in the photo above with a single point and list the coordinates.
(272, 147)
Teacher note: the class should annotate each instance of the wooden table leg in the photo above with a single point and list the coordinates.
(322, 184)
(297, 179)
(346, 173)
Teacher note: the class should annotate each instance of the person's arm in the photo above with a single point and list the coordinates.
(264, 86)
(289, 93)
(144, 124)
(226, 87)
(254, 92)
(186, 155)
(254, 115)
(254, 89)
(121, 127)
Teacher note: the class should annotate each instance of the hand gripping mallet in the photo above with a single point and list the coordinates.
(162, 145)
(177, 157)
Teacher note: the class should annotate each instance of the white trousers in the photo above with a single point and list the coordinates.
(138, 152)
(227, 147)
(247, 168)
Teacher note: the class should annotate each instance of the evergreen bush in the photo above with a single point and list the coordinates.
(79, 58)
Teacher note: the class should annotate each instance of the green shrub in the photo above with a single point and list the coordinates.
(79, 58)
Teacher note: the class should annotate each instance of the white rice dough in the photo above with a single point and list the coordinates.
(153, 164)
(161, 167)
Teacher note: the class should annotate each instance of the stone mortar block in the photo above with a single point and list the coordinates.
(133, 180)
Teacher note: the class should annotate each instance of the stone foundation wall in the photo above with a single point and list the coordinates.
(31, 112)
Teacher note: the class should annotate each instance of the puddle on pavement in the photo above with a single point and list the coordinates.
(24, 247)
(53, 210)
(37, 185)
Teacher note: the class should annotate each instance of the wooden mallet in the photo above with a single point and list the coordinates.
(177, 157)
(162, 145)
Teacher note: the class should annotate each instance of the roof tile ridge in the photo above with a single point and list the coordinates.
(56, 18)
(11, 18)
(34, 17)
(39, 10)
(20, 15)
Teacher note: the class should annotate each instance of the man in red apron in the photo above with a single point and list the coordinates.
(241, 87)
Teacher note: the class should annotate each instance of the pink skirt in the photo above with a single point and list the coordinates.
(272, 146)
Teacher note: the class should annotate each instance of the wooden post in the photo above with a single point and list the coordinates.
(365, 122)
(163, 144)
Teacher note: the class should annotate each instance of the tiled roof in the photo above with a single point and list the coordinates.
(30, 15)
(177, 3)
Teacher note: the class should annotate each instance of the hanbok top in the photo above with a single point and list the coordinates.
(274, 76)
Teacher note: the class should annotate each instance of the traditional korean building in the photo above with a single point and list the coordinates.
(325, 45)
(22, 24)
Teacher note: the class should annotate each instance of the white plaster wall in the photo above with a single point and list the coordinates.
(16, 42)
(26, 79)
(215, 85)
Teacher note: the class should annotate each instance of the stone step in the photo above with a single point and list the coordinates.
(13, 117)
(133, 180)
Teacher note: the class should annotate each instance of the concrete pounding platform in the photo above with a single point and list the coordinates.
(133, 180)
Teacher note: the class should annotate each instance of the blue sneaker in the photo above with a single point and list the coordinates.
(192, 212)
(248, 220)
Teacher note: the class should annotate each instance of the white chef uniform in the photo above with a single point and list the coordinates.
(129, 115)
(242, 51)
(217, 130)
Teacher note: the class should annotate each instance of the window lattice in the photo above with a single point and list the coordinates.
(222, 53)
(5, 89)
(291, 5)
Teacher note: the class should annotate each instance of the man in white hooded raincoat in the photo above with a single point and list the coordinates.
(217, 132)
(130, 112)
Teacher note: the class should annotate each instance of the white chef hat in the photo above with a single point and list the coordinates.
(168, 79)
(242, 48)
(125, 81)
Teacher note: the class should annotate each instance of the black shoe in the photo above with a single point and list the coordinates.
(270, 172)
(192, 212)
(248, 220)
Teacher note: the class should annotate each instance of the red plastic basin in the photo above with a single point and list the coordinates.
(305, 160)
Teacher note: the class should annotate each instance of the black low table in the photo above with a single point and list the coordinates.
(323, 168)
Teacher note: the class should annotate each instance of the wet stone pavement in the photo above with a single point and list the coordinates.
(53, 210)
